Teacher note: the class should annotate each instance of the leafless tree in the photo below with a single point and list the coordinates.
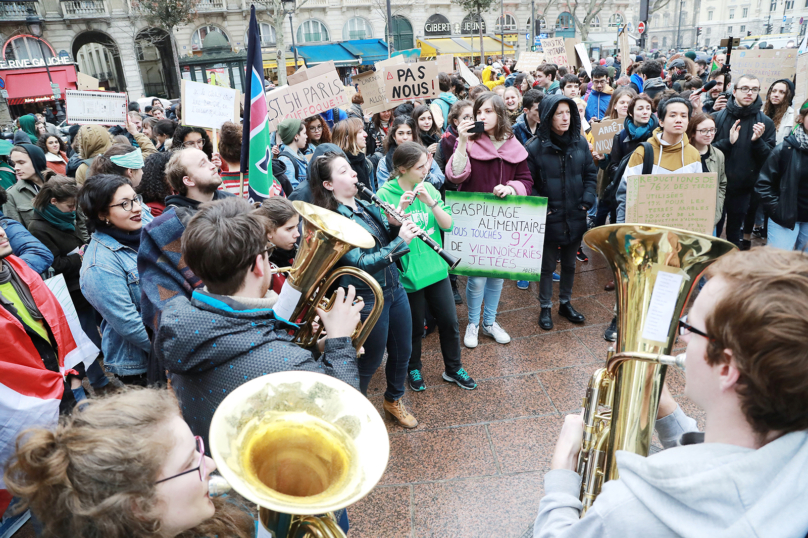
(277, 15)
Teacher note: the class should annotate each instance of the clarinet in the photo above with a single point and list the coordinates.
(388, 208)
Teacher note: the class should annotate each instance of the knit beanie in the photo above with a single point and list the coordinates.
(288, 129)
(691, 54)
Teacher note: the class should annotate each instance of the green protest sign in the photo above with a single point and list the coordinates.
(497, 237)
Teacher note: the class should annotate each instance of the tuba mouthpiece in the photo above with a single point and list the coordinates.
(217, 486)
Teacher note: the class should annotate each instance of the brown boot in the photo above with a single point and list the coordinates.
(396, 410)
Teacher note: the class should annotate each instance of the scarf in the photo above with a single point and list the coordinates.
(7, 274)
(58, 218)
(740, 112)
(563, 141)
(515, 115)
(127, 239)
(641, 131)
(359, 166)
(429, 139)
(801, 136)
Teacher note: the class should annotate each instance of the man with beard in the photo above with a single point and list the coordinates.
(163, 273)
(746, 136)
(712, 101)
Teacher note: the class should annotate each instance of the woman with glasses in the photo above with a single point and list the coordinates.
(701, 133)
(195, 137)
(123, 466)
(317, 132)
(109, 276)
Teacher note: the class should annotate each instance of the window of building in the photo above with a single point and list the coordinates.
(708, 31)
(201, 33)
(267, 32)
(615, 20)
(707, 42)
(402, 33)
(710, 15)
(357, 28)
(564, 21)
(595, 22)
(664, 42)
(729, 30)
(27, 48)
(789, 4)
(655, 20)
(312, 31)
(542, 25)
(507, 22)
(731, 13)
(745, 12)
(743, 28)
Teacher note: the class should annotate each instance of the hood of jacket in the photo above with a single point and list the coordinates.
(95, 140)
(488, 74)
(38, 159)
(637, 79)
(655, 82)
(483, 149)
(28, 124)
(178, 200)
(607, 90)
(673, 157)
(448, 97)
(716, 489)
(547, 108)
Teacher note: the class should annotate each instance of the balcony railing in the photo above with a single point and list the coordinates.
(211, 5)
(312, 4)
(355, 2)
(81, 9)
(17, 11)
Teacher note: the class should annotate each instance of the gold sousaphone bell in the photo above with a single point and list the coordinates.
(299, 444)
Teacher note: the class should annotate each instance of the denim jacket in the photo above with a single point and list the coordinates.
(25, 246)
(110, 282)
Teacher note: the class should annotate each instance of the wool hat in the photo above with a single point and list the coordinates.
(288, 129)
(691, 54)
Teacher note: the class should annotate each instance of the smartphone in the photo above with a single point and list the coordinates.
(479, 127)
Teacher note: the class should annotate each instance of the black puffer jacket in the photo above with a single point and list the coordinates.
(567, 177)
(783, 183)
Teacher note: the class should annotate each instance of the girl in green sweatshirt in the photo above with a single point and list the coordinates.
(424, 274)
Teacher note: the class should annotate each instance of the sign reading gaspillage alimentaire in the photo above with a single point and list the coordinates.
(497, 237)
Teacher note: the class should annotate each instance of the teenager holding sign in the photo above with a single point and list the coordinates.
(491, 162)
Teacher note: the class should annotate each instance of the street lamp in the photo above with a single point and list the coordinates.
(291, 27)
(34, 24)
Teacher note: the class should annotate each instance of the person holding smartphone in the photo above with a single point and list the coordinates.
(488, 158)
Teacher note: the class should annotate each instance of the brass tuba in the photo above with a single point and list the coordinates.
(326, 237)
(655, 268)
(298, 444)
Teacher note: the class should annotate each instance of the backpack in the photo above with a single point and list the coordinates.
(295, 163)
(610, 192)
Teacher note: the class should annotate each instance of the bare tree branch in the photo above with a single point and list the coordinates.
(656, 5)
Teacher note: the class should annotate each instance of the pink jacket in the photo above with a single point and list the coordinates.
(487, 167)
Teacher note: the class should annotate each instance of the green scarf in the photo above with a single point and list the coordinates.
(59, 219)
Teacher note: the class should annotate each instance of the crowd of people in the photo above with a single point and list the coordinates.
(174, 275)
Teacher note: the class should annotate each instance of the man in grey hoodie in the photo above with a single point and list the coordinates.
(747, 474)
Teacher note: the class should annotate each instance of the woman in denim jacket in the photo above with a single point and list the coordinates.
(109, 278)
(334, 187)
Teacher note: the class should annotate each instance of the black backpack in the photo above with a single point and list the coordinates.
(610, 193)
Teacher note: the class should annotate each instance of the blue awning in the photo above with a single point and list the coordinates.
(370, 50)
(345, 53)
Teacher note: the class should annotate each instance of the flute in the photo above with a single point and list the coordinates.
(389, 209)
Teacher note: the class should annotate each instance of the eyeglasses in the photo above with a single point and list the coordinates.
(685, 329)
(194, 143)
(706, 131)
(316, 129)
(598, 81)
(269, 248)
(128, 205)
(747, 89)
(200, 467)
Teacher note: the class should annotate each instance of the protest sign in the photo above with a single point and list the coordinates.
(604, 132)
(768, 65)
(470, 78)
(305, 73)
(86, 351)
(529, 61)
(445, 63)
(85, 81)
(307, 98)
(570, 43)
(497, 237)
(580, 48)
(622, 41)
(685, 201)
(801, 87)
(208, 105)
(369, 84)
(105, 108)
(385, 64)
(405, 82)
(350, 91)
(555, 51)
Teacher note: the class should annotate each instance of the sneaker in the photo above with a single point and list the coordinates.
(556, 277)
(497, 333)
(522, 284)
(757, 231)
(610, 335)
(470, 340)
(415, 380)
(462, 378)
(581, 256)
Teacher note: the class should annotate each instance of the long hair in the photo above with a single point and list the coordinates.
(503, 130)
(390, 140)
(456, 110)
(377, 119)
(153, 185)
(622, 91)
(419, 111)
(43, 143)
(325, 137)
(345, 133)
(60, 187)
(94, 475)
(320, 171)
(776, 112)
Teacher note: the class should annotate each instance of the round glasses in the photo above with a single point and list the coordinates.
(129, 205)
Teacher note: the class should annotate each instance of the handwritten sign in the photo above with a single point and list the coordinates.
(350, 91)
(105, 108)
(85, 352)
(470, 78)
(372, 92)
(768, 65)
(555, 51)
(445, 63)
(580, 48)
(305, 73)
(801, 89)
(570, 43)
(208, 105)
(529, 61)
(496, 237)
(604, 132)
(685, 201)
(405, 82)
(307, 98)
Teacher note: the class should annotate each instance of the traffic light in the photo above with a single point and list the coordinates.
(698, 31)
(748, 33)
(768, 29)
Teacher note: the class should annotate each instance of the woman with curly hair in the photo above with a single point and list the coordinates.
(153, 185)
(317, 132)
(55, 152)
(193, 137)
(125, 466)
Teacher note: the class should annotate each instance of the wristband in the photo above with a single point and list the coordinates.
(435, 204)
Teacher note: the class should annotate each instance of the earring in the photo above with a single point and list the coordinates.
(106, 221)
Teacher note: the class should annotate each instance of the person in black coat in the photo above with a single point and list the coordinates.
(563, 172)
(746, 136)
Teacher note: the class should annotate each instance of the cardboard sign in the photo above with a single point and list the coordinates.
(497, 237)
(604, 132)
(685, 201)
(369, 84)
(466, 74)
(580, 48)
(445, 63)
(555, 51)
(622, 41)
(305, 73)
(350, 91)
(85, 81)
(405, 82)
(529, 61)
(801, 88)
(308, 98)
(208, 105)
(570, 43)
(768, 65)
(105, 108)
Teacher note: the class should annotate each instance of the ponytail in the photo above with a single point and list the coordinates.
(406, 156)
(60, 187)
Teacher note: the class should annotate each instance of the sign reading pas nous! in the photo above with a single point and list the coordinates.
(411, 81)
(497, 237)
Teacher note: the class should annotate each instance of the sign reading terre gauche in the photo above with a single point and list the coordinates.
(497, 237)
(685, 201)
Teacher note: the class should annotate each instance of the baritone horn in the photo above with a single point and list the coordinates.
(300, 445)
(656, 269)
(326, 237)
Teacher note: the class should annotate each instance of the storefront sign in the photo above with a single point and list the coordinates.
(36, 62)
(472, 25)
(437, 25)
(497, 237)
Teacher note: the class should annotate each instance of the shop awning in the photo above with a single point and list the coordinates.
(443, 45)
(492, 45)
(31, 85)
(369, 50)
(317, 54)
(272, 63)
